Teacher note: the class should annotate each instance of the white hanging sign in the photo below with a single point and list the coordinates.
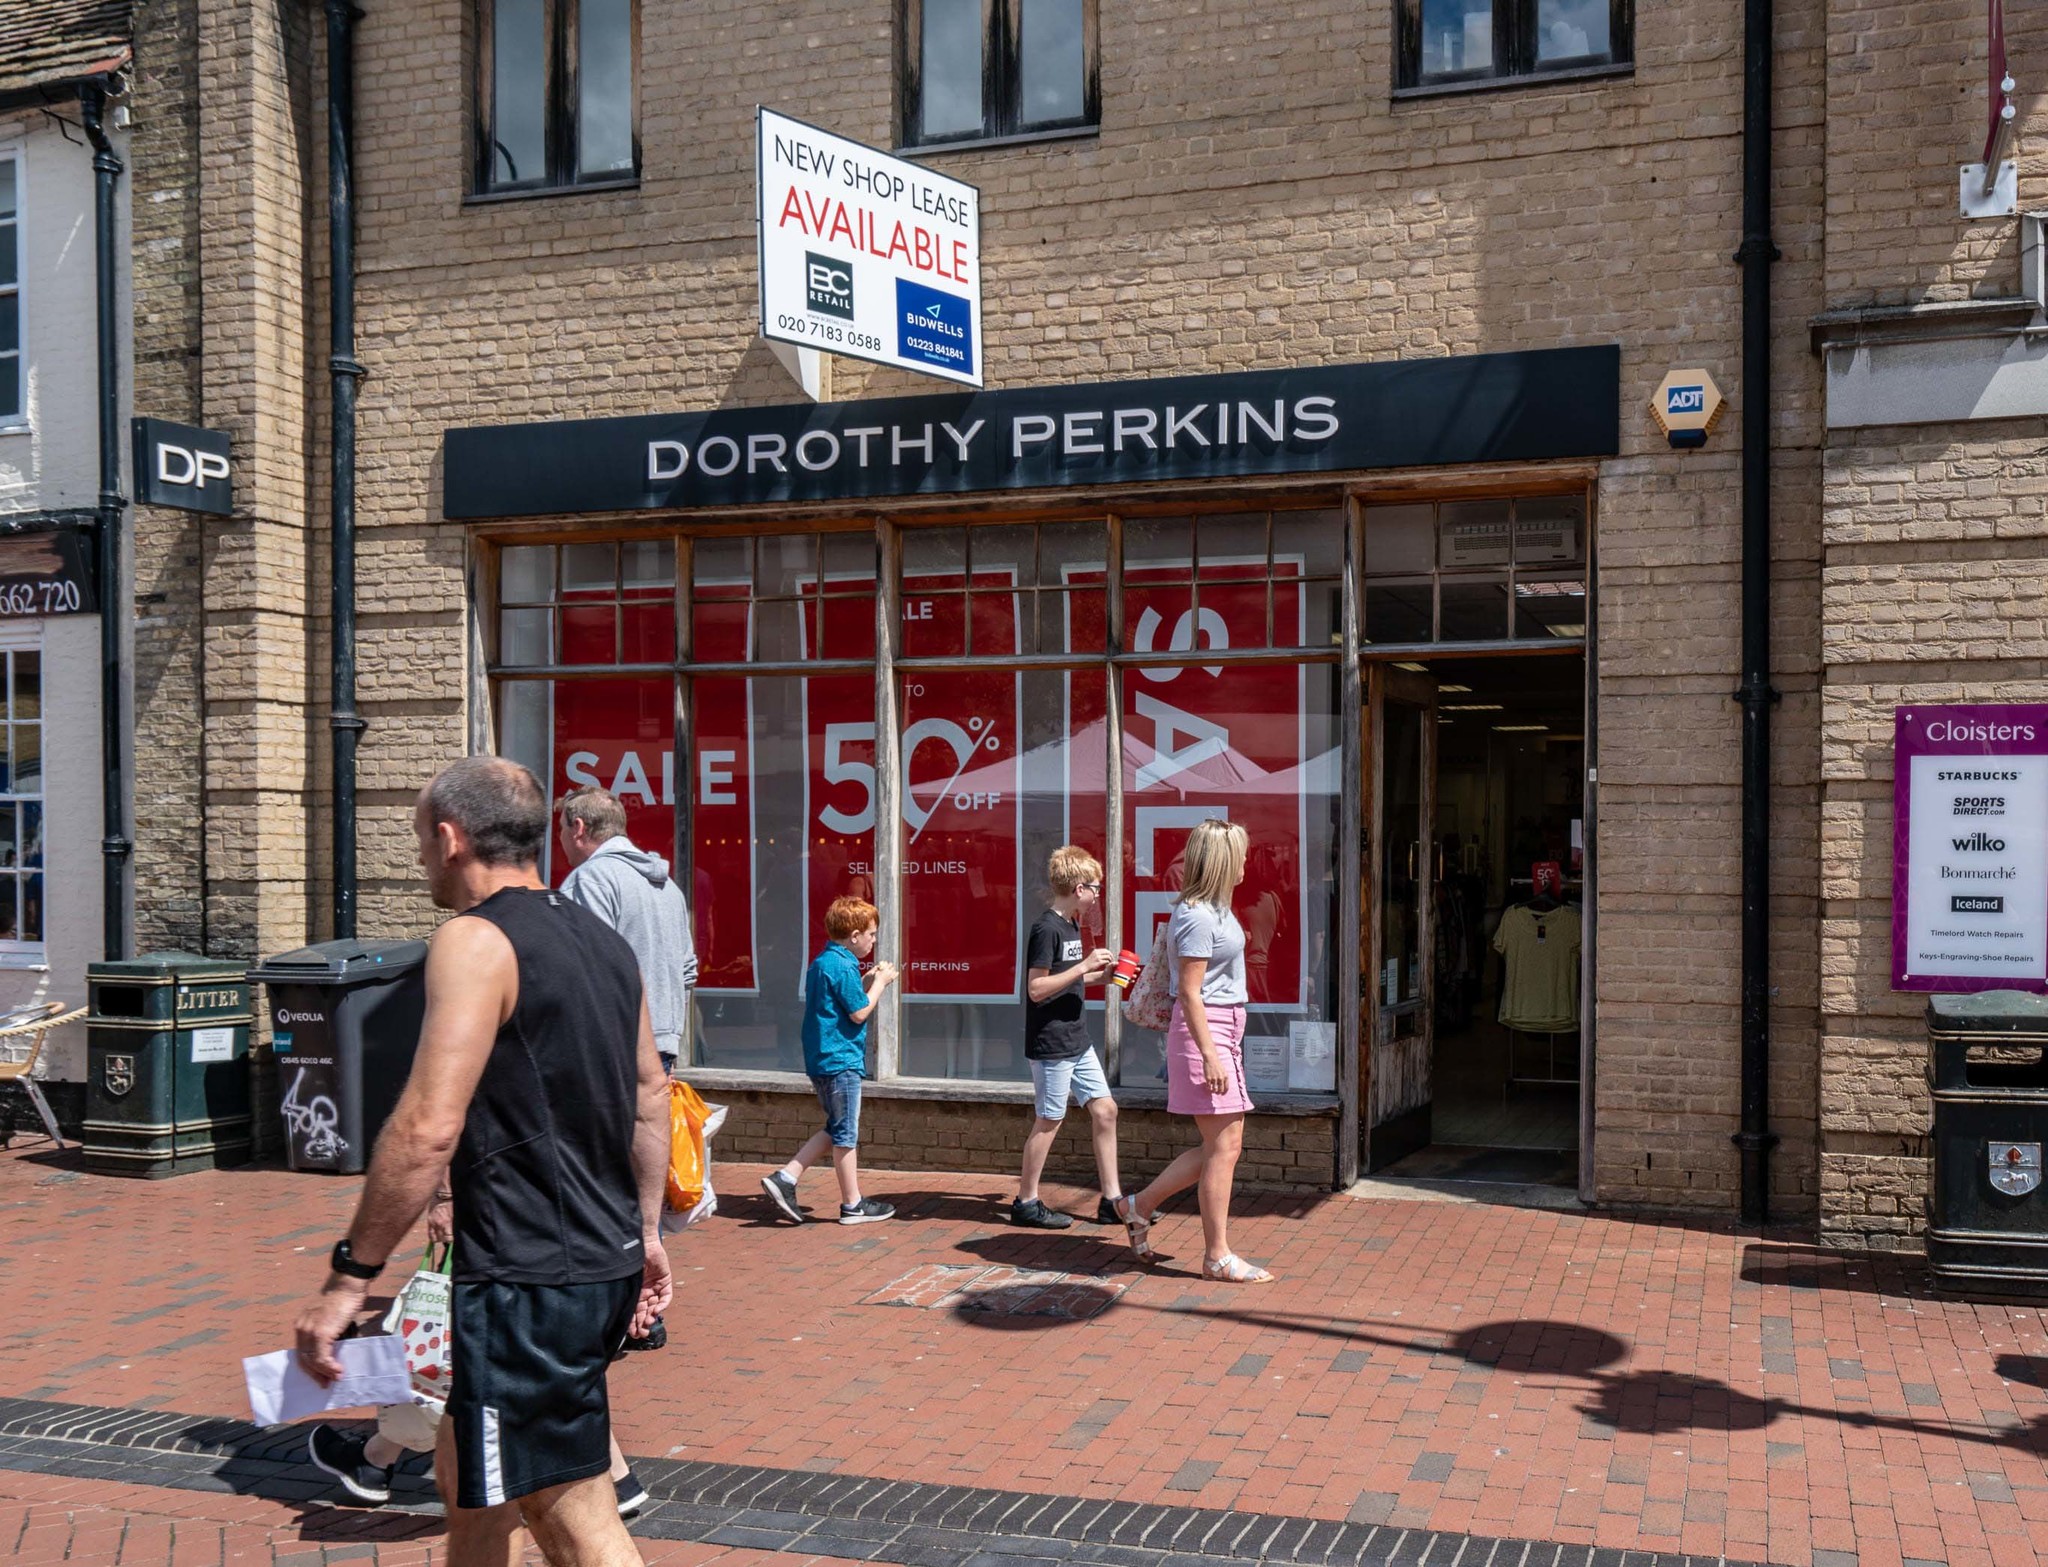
(866, 255)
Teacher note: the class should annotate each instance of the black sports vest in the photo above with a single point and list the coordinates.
(543, 1176)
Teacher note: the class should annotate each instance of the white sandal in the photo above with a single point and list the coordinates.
(1233, 1269)
(1139, 1230)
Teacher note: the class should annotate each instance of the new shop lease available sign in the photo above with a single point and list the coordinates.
(1970, 848)
(865, 254)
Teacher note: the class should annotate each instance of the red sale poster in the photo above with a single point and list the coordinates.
(961, 835)
(619, 735)
(1203, 740)
(723, 900)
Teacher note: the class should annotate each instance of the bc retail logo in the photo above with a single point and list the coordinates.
(934, 327)
(828, 285)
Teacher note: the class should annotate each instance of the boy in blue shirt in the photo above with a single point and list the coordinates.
(837, 1006)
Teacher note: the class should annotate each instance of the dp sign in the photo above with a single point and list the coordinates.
(182, 466)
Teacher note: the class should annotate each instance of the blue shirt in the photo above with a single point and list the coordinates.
(833, 1042)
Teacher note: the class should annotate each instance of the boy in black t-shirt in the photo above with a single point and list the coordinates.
(1063, 1060)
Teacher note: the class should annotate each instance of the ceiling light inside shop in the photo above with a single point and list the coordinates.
(1569, 628)
(1420, 669)
(1452, 690)
(1473, 707)
(1521, 729)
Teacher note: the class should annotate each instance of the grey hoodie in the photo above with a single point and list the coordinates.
(629, 889)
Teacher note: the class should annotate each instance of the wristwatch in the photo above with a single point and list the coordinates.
(344, 1262)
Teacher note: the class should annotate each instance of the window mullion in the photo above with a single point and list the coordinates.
(998, 76)
(561, 93)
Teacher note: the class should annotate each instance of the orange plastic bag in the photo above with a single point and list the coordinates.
(687, 1114)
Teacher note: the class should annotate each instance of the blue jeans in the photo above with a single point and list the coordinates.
(839, 1094)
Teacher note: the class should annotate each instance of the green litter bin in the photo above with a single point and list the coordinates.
(167, 1065)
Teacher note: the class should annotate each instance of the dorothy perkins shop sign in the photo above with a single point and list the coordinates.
(1406, 413)
(1970, 848)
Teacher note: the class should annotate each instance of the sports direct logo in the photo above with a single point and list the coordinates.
(828, 285)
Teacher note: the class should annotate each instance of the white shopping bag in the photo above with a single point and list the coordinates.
(420, 1316)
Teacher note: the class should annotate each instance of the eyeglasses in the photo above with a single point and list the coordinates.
(1088, 886)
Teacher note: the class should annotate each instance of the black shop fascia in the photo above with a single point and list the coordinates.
(1485, 408)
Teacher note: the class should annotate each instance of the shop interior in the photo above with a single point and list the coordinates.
(1505, 1007)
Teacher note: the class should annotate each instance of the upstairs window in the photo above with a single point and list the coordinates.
(1454, 42)
(984, 70)
(11, 401)
(556, 95)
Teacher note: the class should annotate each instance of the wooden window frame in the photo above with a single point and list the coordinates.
(559, 23)
(1002, 110)
(1514, 49)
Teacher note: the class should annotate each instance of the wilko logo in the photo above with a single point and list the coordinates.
(1975, 903)
(1979, 843)
(828, 285)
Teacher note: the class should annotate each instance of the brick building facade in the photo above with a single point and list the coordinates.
(1254, 193)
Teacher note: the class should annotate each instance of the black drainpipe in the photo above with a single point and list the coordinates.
(114, 846)
(346, 725)
(1756, 695)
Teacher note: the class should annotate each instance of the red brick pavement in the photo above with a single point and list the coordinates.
(44, 1519)
(1577, 1377)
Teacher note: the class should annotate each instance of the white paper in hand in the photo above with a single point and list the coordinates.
(372, 1373)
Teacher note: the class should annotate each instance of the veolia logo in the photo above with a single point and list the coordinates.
(286, 1017)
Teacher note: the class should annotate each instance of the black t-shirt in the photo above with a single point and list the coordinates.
(1055, 1029)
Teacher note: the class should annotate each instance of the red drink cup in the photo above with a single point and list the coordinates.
(1125, 974)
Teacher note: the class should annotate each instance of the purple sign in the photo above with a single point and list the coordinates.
(1970, 848)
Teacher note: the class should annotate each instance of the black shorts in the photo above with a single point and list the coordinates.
(526, 1386)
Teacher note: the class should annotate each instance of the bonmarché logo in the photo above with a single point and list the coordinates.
(285, 1017)
(828, 285)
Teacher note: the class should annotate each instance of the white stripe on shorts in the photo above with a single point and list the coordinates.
(494, 1463)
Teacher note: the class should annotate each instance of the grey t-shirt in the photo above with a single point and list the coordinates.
(1201, 930)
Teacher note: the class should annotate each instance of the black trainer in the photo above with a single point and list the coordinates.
(342, 1457)
(632, 1495)
(1105, 1211)
(781, 1191)
(1034, 1215)
(869, 1210)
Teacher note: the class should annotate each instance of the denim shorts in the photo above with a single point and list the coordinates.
(839, 1094)
(1080, 1077)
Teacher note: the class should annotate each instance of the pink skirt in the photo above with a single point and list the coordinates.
(1186, 1091)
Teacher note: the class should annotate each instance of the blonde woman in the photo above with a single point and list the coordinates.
(1204, 1051)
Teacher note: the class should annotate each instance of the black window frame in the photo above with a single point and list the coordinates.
(1001, 85)
(1514, 49)
(559, 111)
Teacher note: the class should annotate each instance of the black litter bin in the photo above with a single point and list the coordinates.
(1987, 1068)
(167, 1065)
(345, 1019)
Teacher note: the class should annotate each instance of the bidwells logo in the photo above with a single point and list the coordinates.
(934, 328)
(828, 285)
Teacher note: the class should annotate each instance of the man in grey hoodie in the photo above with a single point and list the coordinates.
(631, 891)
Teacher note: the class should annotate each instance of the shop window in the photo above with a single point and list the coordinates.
(556, 94)
(1004, 590)
(12, 402)
(587, 605)
(1454, 42)
(21, 802)
(982, 70)
(1488, 570)
(1239, 580)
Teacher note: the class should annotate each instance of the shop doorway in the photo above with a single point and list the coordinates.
(1472, 946)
